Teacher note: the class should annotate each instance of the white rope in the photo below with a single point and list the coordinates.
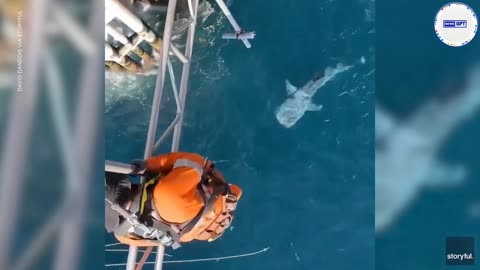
(126, 250)
(201, 260)
(114, 244)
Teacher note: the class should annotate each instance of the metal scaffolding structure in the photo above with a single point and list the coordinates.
(180, 96)
(180, 93)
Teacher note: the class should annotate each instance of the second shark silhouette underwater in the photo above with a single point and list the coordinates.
(407, 159)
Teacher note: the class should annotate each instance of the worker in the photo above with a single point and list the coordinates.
(183, 194)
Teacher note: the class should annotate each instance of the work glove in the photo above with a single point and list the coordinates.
(140, 167)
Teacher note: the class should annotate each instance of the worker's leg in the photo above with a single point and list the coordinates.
(117, 187)
(117, 190)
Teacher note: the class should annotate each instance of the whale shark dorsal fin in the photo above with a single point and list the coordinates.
(290, 88)
(314, 107)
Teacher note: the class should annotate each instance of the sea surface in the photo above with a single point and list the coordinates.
(308, 191)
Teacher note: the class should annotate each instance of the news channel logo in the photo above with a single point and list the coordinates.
(456, 24)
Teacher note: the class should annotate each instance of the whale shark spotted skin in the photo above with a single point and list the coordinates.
(300, 100)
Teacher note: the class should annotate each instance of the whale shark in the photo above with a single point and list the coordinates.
(407, 151)
(299, 100)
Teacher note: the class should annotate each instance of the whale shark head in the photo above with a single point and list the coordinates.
(286, 116)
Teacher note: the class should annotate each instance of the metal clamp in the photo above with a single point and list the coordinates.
(151, 233)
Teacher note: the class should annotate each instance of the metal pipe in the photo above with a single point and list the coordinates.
(190, 8)
(116, 34)
(174, 86)
(159, 258)
(232, 21)
(167, 33)
(109, 15)
(249, 35)
(179, 54)
(118, 167)
(228, 14)
(109, 53)
(177, 102)
(167, 131)
(160, 80)
(125, 15)
(18, 131)
(184, 79)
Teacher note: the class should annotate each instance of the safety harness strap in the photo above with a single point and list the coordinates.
(207, 206)
(182, 162)
(219, 189)
(145, 209)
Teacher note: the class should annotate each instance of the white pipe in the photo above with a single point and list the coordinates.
(109, 53)
(116, 34)
(182, 95)
(179, 54)
(109, 16)
(227, 13)
(125, 15)
(190, 8)
(117, 167)
(232, 21)
(159, 258)
(249, 35)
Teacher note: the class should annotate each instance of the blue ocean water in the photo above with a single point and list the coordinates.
(308, 190)
(413, 66)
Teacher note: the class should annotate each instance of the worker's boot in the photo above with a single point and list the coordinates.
(117, 191)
